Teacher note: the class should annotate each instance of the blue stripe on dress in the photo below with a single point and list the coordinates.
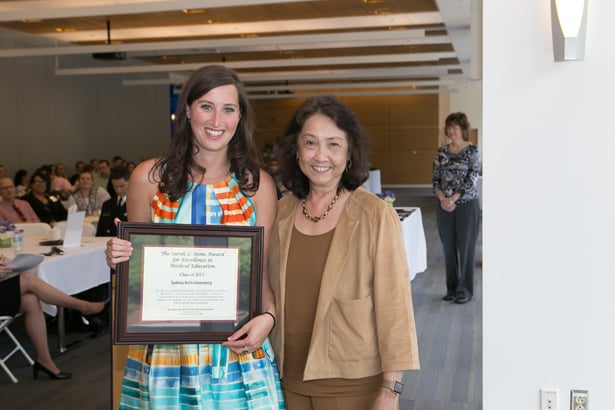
(199, 204)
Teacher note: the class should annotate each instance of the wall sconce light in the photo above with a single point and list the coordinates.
(568, 24)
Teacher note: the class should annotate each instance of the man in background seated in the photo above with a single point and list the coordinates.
(79, 165)
(101, 178)
(58, 183)
(11, 209)
(116, 206)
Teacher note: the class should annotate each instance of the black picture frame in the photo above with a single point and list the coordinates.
(182, 281)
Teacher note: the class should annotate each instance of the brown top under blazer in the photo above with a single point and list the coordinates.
(364, 323)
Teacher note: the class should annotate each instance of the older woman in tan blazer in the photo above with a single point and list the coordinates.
(338, 270)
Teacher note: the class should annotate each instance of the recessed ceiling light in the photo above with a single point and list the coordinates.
(193, 11)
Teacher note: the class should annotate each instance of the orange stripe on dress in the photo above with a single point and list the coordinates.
(235, 206)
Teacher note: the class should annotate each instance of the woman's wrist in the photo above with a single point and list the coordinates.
(272, 317)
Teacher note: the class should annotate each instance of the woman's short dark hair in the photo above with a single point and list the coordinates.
(177, 164)
(357, 169)
(42, 174)
(19, 175)
(460, 119)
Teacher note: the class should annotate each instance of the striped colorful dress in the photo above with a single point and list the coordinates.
(202, 376)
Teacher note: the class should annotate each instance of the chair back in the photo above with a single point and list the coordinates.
(5, 321)
(34, 229)
(89, 230)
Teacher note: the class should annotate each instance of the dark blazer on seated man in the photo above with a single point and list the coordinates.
(116, 206)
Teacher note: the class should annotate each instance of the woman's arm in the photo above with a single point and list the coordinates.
(257, 329)
(141, 190)
(387, 399)
(471, 176)
(265, 202)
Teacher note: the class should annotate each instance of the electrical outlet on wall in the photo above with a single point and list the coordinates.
(549, 399)
(579, 399)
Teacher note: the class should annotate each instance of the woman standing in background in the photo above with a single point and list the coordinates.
(455, 174)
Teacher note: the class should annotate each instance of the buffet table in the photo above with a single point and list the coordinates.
(414, 239)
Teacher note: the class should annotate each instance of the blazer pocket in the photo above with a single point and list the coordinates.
(352, 334)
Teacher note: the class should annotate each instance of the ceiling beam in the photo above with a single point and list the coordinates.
(261, 27)
(349, 74)
(352, 93)
(236, 45)
(53, 9)
(329, 75)
(275, 63)
(346, 86)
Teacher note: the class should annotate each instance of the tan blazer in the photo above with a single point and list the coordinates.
(364, 323)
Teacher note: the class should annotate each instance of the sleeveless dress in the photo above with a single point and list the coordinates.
(202, 376)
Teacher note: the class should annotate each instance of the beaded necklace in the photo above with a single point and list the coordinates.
(329, 207)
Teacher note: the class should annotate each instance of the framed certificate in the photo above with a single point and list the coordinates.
(187, 283)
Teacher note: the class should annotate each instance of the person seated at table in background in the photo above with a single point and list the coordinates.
(131, 166)
(455, 174)
(116, 206)
(48, 207)
(88, 198)
(272, 168)
(59, 185)
(21, 186)
(79, 165)
(337, 257)
(117, 161)
(12, 209)
(101, 178)
(24, 293)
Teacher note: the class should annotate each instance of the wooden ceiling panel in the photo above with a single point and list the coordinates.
(393, 60)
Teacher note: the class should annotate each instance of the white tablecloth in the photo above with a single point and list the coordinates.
(77, 270)
(373, 182)
(414, 240)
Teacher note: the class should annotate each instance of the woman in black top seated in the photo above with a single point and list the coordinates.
(48, 208)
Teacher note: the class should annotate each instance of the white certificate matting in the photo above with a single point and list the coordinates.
(189, 284)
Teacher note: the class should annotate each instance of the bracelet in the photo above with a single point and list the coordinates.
(272, 316)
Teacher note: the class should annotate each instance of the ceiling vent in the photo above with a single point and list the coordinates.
(116, 56)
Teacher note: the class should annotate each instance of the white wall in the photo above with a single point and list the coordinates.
(549, 277)
(46, 118)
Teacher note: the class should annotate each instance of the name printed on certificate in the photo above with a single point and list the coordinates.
(190, 283)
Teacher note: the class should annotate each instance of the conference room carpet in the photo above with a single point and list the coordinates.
(449, 336)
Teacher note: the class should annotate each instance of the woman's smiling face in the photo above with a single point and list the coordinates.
(214, 118)
(322, 151)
